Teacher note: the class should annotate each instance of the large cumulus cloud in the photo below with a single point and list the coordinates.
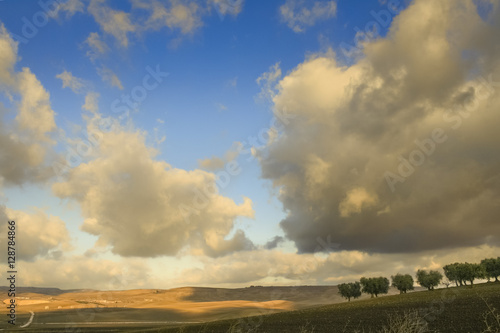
(25, 140)
(26, 126)
(140, 206)
(343, 164)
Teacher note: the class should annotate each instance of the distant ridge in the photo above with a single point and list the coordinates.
(44, 291)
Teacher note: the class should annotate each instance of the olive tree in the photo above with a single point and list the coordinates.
(429, 279)
(350, 290)
(402, 282)
(375, 286)
(491, 267)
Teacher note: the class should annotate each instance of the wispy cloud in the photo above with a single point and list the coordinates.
(217, 163)
(114, 22)
(110, 77)
(77, 85)
(300, 14)
(97, 47)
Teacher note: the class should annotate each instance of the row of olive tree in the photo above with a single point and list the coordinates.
(372, 286)
(461, 273)
(380, 285)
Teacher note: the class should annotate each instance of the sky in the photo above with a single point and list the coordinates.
(228, 143)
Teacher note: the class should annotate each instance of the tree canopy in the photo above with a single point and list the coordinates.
(460, 273)
(402, 282)
(350, 290)
(491, 268)
(375, 286)
(429, 279)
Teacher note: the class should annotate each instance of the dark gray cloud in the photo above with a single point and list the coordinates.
(398, 152)
(273, 243)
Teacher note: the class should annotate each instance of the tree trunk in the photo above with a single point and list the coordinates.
(496, 278)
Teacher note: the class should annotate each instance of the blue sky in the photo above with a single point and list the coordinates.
(232, 66)
(215, 66)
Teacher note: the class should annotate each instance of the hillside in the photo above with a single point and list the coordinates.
(450, 310)
(153, 307)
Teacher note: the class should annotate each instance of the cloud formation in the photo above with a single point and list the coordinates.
(80, 272)
(274, 267)
(114, 22)
(217, 163)
(300, 14)
(108, 76)
(397, 152)
(225, 7)
(97, 47)
(182, 15)
(139, 206)
(26, 141)
(38, 235)
(70, 81)
(185, 17)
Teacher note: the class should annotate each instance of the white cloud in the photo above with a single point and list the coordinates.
(268, 82)
(38, 235)
(298, 16)
(70, 7)
(184, 16)
(110, 77)
(34, 112)
(91, 102)
(96, 45)
(71, 81)
(8, 57)
(355, 200)
(217, 163)
(174, 14)
(114, 22)
(139, 206)
(269, 267)
(225, 7)
(26, 141)
(80, 272)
